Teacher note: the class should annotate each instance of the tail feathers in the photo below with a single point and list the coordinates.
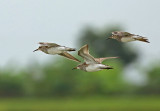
(108, 67)
(71, 49)
(143, 39)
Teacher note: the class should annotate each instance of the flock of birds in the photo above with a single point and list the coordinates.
(90, 63)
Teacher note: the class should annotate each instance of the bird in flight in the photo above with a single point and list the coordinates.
(91, 64)
(53, 49)
(127, 37)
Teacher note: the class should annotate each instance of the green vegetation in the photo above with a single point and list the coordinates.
(81, 104)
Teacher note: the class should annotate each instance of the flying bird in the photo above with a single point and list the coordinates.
(127, 37)
(53, 49)
(91, 64)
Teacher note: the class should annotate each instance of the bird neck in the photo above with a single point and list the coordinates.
(44, 50)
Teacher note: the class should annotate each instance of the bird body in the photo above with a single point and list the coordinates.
(127, 37)
(53, 49)
(58, 50)
(96, 67)
(92, 67)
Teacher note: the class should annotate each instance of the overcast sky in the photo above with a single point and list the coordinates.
(23, 23)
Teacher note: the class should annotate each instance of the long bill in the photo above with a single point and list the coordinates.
(35, 50)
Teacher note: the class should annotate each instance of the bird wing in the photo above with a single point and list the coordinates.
(48, 44)
(84, 53)
(100, 60)
(127, 34)
(67, 55)
(121, 34)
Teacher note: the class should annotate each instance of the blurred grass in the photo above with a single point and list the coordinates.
(81, 104)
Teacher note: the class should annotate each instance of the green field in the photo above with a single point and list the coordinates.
(79, 104)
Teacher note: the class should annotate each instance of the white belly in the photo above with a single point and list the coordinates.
(93, 68)
(127, 39)
(56, 50)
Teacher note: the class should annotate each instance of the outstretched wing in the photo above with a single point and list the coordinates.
(126, 34)
(48, 44)
(84, 53)
(121, 34)
(100, 60)
(67, 55)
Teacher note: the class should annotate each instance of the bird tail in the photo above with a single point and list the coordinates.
(143, 39)
(107, 67)
(71, 49)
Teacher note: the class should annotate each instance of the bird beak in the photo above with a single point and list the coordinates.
(74, 68)
(35, 50)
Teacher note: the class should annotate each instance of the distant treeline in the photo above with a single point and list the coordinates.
(59, 80)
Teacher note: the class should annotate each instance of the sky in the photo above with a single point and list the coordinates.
(24, 23)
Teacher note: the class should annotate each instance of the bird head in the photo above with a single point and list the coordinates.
(114, 35)
(111, 37)
(41, 48)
